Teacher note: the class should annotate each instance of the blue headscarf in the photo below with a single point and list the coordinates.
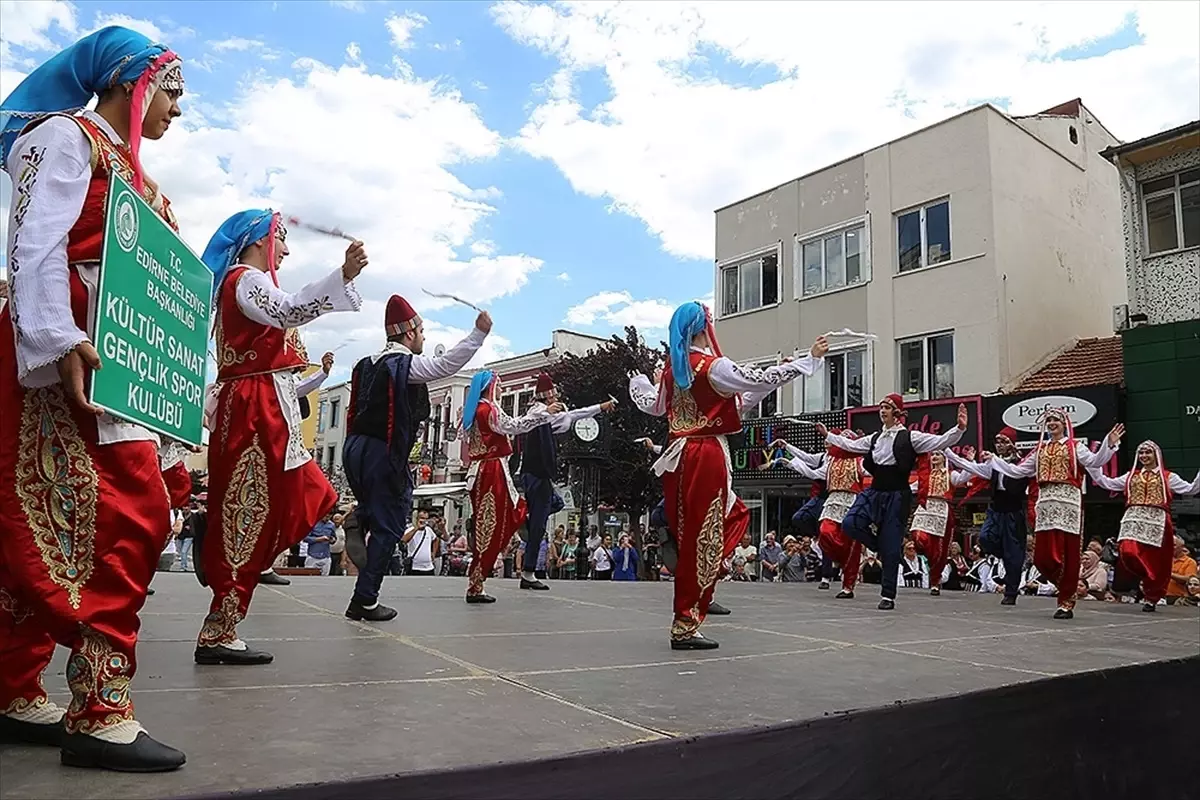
(235, 235)
(479, 384)
(689, 320)
(67, 82)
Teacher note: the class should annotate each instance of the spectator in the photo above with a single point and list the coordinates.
(1183, 569)
(872, 569)
(739, 570)
(197, 526)
(1193, 592)
(957, 569)
(749, 555)
(625, 560)
(569, 556)
(769, 557)
(555, 555)
(913, 569)
(166, 559)
(1093, 575)
(602, 559)
(812, 559)
(185, 538)
(543, 559)
(338, 548)
(319, 542)
(793, 564)
(422, 546)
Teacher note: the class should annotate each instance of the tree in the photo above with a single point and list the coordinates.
(624, 479)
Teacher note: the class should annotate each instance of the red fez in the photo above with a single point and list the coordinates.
(544, 385)
(1008, 433)
(400, 317)
(896, 401)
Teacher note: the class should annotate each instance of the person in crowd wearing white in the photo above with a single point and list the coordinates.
(913, 570)
(602, 564)
(422, 546)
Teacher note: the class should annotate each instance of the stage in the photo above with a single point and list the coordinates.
(587, 667)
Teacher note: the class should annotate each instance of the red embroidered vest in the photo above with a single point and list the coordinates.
(484, 444)
(246, 347)
(844, 475)
(1148, 489)
(1056, 464)
(700, 410)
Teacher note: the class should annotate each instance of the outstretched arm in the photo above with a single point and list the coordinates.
(979, 470)
(1105, 482)
(649, 398)
(425, 369)
(1181, 487)
(515, 426)
(754, 384)
(265, 303)
(562, 422)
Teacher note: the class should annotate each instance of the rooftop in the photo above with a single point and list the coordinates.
(1185, 137)
(1091, 362)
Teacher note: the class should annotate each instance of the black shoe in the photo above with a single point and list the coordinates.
(935, 591)
(887, 605)
(1064, 613)
(143, 754)
(149, 592)
(717, 610)
(360, 613)
(823, 585)
(844, 594)
(696, 642)
(1149, 607)
(211, 656)
(18, 731)
(534, 584)
(273, 578)
(1008, 601)
(480, 598)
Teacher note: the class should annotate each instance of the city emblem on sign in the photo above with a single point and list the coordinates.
(127, 222)
(1026, 415)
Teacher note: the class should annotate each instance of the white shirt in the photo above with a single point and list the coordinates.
(883, 455)
(1028, 467)
(917, 565)
(425, 369)
(601, 559)
(562, 421)
(980, 469)
(750, 384)
(1177, 485)
(420, 549)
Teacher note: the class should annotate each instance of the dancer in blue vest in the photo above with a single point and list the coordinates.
(388, 402)
(539, 467)
(889, 456)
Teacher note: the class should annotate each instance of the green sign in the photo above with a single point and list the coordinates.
(152, 316)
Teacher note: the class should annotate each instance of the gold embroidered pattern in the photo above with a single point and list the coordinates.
(220, 626)
(99, 680)
(23, 705)
(244, 514)
(1054, 463)
(14, 608)
(57, 485)
(842, 474)
(685, 626)
(291, 339)
(710, 544)
(939, 482)
(685, 416)
(485, 528)
(476, 448)
(1146, 489)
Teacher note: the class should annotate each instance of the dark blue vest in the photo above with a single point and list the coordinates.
(384, 401)
(539, 453)
(1012, 496)
(892, 477)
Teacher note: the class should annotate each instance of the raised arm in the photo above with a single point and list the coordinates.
(1105, 482)
(649, 398)
(960, 477)
(1025, 468)
(562, 422)
(861, 445)
(979, 470)
(1108, 447)
(265, 303)
(308, 385)
(811, 459)
(754, 384)
(797, 464)
(425, 369)
(1181, 487)
(515, 426)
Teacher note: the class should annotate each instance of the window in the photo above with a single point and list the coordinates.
(833, 261)
(750, 284)
(927, 367)
(1172, 212)
(334, 407)
(839, 385)
(507, 402)
(321, 416)
(923, 236)
(332, 457)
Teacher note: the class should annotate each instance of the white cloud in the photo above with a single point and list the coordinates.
(354, 53)
(142, 26)
(402, 28)
(619, 309)
(673, 142)
(236, 44)
(26, 23)
(483, 247)
(349, 5)
(564, 277)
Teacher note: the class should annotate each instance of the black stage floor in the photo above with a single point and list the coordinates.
(537, 675)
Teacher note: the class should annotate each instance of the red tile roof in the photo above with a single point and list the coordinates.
(1091, 362)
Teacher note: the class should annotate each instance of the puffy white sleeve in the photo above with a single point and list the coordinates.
(1105, 482)
(51, 169)
(860, 445)
(425, 369)
(804, 469)
(959, 477)
(978, 469)
(811, 459)
(515, 426)
(1181, 487)
(927, 442)
(1098, 459)
(265, 303)
(646, 396)
(306, 386)
(1025, 468)
(754, 384)
(561, 423)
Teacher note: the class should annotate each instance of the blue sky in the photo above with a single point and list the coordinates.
(560, 163)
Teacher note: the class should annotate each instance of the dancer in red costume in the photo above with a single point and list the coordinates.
(702, 394)
(495, 505)
(265, 491)
(1146, 541)
(933, 520)
(843, 475)
(83, 510)
(175, 474)
(1057, 465)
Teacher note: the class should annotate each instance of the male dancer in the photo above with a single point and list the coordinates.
(389, 399)
(889, 456)
(1004, 528)
(495, 506)
(539, 466)
(83, 509)
(702, 394)
(1146, 541)
(1058, 513)
(267, 490)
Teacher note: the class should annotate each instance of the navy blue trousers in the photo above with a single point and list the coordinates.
(888, 512)
(383, 487)
(1003, 536)
(541, 501)
(808, 518)
(658, 517)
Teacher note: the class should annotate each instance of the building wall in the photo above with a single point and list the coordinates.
(1059, 265)
(328, 433)
(1162, 379)
(1166, 288)
(308, 427)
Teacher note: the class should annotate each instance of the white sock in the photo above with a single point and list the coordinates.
(529, 576)
(41, 712)
(372, 606)
(123, 732)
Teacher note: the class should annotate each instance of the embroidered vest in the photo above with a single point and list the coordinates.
(1056, 464)
(384, 404)
(1147, 488)
(939, 484)
(246, 347)
(700, 410)
(844, 475)
(484, 444)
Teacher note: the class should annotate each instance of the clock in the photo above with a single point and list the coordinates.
(587, 429)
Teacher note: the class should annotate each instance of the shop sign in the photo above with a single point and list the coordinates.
(1026, 415)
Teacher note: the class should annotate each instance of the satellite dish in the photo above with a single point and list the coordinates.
(439, 351)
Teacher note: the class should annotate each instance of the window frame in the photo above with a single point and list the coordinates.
(334, 404)
(926, 375)
(1175, 192)
(868, 350)
(812, 237)
(739, 261)
(923, 208)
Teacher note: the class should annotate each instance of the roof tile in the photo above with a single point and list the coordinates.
(1091, 362)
